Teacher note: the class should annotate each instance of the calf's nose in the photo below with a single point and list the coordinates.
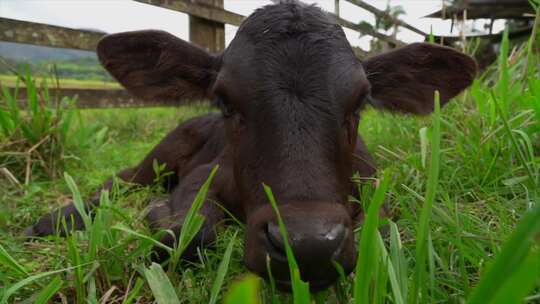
(320, 235)
(316, 247)
(316, 243)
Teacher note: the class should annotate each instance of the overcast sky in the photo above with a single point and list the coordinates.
(122, 15)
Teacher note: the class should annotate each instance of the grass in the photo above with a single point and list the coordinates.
(368, 251)
(300, 289)
(11, 80)
(462, 186)
(419, 282)
(36, 137)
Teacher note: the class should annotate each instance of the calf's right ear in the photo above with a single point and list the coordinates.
(405, 79)
(156, 65)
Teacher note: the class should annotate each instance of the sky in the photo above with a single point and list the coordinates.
(113, 16)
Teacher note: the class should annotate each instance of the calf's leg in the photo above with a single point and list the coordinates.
(49, 223)
(175, 151)
(170, 214)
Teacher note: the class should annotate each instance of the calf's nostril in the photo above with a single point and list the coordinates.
(338, 235)
(328, 239)
(335, 234)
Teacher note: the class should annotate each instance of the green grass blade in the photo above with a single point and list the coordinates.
(431, 263)
(222, 270)
(514, 141)
(510, 260)
(29, 133)
(77, 201)
(12, 105)
(75, 259)
(368, 251)
(431, 37)
(96, 234)
(161, 286)
(134, 292)
(392, 274)
(123, 228)
(423, 145)
(6, 123)
(91, 291)
(10, 290)
(300, 289)
(49, 291)
(245, 291)
(8, 261)
(193, 221)
(31, 93)
(425, 215)
(398, 259)
(524, 279)
(503, 84)
(271, 280)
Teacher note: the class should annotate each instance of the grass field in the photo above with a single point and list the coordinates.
(464, 228)
(10, 81)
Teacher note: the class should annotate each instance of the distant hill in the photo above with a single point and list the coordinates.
(34, 54)
(69, 63)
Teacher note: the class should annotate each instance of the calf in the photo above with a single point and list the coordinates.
(289, 89)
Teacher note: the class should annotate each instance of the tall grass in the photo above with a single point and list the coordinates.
(86, 249)
(38, 136)
(300, 288)
(368, 252)
(419, 284)
(516, 269)
(34, 138)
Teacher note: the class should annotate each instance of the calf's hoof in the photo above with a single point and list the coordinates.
(29, 232)
(205, 238)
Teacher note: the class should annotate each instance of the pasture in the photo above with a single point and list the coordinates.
(462, 186)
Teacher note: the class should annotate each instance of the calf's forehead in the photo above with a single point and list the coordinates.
(304, 66)
(294, 49)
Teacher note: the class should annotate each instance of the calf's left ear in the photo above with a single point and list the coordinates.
(156, 65)
(405, 79)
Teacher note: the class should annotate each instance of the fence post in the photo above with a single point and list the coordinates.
(205, 33)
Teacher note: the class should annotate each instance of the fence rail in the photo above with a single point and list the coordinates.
(199, 10)
(47, 35)
(96, 98)
(224, 16)
(207, 19)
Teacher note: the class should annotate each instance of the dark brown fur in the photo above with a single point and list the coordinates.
(289, 88)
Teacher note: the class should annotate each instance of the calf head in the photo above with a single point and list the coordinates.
(290, 88)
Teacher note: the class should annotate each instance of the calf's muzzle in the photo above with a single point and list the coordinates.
(319, 233)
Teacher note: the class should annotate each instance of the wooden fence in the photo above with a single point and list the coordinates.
(207, 19)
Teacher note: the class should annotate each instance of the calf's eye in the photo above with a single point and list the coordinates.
(225, 106)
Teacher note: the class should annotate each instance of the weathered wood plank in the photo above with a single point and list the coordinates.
(100, 98)
(47, 35)
(494, 38)
(207, 33)
(198, 10)
(489, 9)
(224, 16)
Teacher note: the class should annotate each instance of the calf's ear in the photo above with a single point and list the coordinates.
(405, 79)
(157, 65)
